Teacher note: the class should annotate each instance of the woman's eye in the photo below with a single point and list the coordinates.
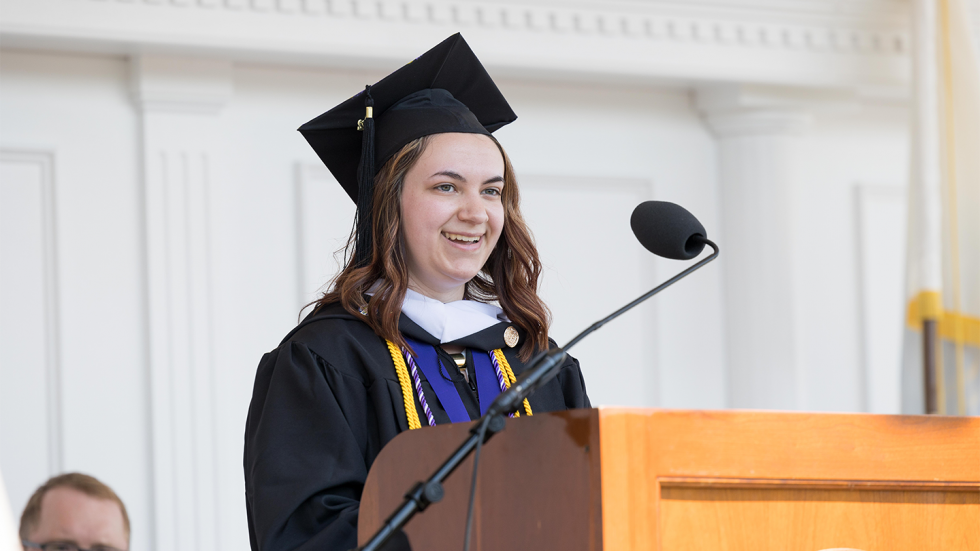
(492, 191)
(445, 187)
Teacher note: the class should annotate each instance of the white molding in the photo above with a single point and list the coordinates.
(809, 42)
(749, 24)
(768, 121)
(45, 162)
(733, 110)
(181, 362)
(43, 376)
(181, 84)
(725, 98)
(179, 100)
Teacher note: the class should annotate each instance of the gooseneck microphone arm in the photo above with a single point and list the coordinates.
(545, 368)
(650, 293)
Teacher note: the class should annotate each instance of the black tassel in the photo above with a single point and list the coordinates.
(365, 183)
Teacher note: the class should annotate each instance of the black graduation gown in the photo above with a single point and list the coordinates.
(324, 404)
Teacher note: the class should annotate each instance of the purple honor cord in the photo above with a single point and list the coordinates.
(489, 381)
(418, 388)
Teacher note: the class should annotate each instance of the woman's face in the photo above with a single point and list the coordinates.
(452, 214)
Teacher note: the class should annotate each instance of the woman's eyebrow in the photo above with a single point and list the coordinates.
(459, 177)
(450, 174)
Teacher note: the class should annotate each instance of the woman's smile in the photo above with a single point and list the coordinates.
(452, 215)
(462, 239)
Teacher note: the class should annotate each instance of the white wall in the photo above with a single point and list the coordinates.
(586, 151)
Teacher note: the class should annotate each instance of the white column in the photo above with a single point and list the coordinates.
(757, 154)
(179, 100)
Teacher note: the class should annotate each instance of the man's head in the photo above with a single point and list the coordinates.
(78, 509)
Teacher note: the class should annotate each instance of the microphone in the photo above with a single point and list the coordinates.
(668, 230)
(665, 229)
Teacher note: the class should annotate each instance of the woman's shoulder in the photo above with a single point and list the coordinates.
(337, 339)
(329, 324)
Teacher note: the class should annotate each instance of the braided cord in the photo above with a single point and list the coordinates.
(509, 377)
(418, 388)
(501, 378)
(411, 414)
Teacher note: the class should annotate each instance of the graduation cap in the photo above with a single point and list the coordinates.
(444, 90)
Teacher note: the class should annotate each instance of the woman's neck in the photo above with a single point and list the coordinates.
(444, 296)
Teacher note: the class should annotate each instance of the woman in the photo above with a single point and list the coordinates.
(408, 336)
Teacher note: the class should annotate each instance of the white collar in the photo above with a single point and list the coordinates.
(449, 321)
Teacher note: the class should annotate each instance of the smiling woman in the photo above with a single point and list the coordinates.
(456, 217)
(434, 314)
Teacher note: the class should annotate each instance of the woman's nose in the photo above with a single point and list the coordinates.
(472, 208)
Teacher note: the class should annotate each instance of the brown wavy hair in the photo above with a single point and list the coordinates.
(510, 275)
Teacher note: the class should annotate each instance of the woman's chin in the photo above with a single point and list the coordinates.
(447, 286)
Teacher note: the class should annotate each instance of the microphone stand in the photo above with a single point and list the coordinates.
(543, 368)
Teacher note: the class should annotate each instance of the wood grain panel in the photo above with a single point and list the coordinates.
(538, 484)
(861, 454)
(776, 519)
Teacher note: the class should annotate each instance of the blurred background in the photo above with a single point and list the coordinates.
(162, 223)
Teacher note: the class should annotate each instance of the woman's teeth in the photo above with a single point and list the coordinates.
(460, 238)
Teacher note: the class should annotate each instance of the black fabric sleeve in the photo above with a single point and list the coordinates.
(304, 464)
(573, 385)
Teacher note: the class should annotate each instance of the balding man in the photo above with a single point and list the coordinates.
(74, 512)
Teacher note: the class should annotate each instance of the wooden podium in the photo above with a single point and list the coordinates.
(631, 479)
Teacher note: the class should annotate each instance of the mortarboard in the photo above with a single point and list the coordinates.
(445, 89)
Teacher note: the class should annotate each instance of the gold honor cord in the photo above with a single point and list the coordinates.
(509, 378)
(412, 414)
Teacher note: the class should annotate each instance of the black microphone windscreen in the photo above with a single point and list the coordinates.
(668, 230)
